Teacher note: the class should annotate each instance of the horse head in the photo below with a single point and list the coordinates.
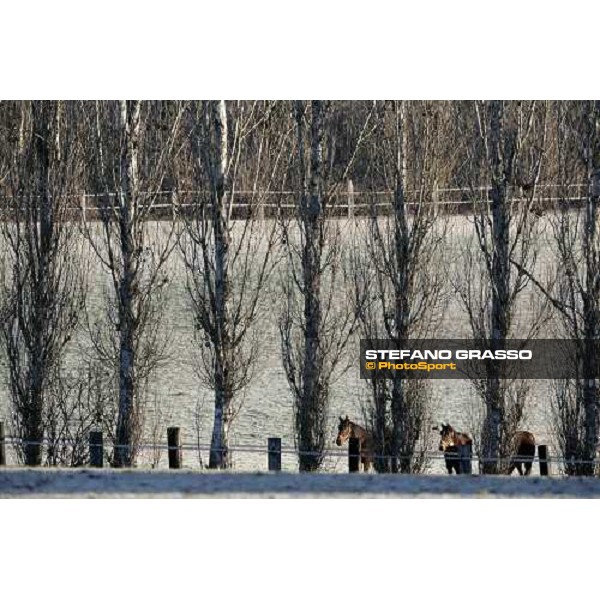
(447, 437)
(344, 430)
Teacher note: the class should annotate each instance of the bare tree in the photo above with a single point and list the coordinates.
(318, 317)
(574, 289)
(579, 272)
(398, 289)
(501, 165)
(234, 146)
(43, 289)
(132, 145)
(78, 406)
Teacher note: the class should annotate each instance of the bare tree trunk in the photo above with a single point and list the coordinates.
(401, 287)
(129, 123)
(311, 214)
(500, 286)
(219, 455)
(39, 368)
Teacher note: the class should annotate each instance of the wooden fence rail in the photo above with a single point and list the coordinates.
(348, 202)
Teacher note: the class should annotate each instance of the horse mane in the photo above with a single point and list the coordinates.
(360, 430)
(357, 425)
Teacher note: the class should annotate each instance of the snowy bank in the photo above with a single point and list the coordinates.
(76, 483)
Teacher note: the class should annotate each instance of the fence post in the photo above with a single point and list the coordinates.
(96, 449)
(350, 199)
(173, 205)
(465, 453)
(353, 455)
(544, 461)
(174, 444)
(274, 453)
(2, 446)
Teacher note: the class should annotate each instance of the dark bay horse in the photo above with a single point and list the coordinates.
(348, 429)
(523, 453)
(450, 442)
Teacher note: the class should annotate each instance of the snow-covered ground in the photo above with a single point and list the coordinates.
(178, 397)
(110, 483)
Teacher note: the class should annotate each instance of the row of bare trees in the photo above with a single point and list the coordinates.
(379, 276)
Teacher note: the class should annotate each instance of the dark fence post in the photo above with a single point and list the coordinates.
(353, 454)
(544, 461)
(2, 446)
(274, 453)
(96, 449)
(465, 453)
(174, 444)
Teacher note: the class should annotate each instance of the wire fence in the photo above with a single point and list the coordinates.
(326, 453)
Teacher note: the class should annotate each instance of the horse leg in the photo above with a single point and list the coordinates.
(528, 466)
(448, 466)
(453, 464)
(365, 459)
(520, 468)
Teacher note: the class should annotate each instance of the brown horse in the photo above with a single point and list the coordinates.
(348, 429)
(524, 452)
(450, 441)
